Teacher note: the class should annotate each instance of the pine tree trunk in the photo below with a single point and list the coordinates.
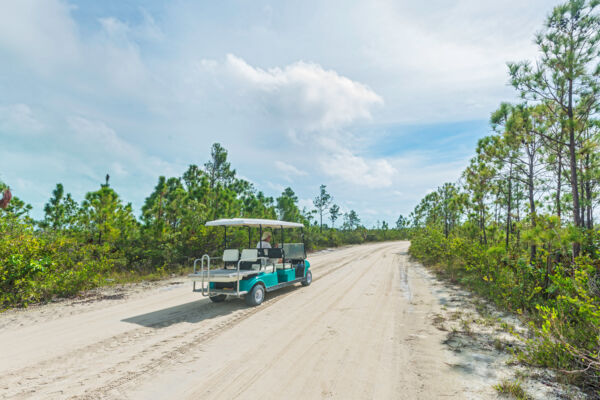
(321, 226)
(588, 193)
(573, 166)
(508, 208)
(446, 225)
(558, 184)
(532, 212)
(582, 197)
(482, 223)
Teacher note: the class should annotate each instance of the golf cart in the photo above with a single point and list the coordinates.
(255, 271)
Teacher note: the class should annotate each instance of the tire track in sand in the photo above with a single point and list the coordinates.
(157, 344)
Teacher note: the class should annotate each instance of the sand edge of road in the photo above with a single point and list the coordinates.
(374, 324)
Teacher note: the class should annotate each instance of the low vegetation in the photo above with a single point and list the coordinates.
(77, 246)
(518, 228)
(512, 389)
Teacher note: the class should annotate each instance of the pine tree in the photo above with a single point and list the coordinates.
(567, 79)
(334, 213)
(321, 202)
(60, 210)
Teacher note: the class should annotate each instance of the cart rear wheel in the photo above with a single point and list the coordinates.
(307, 279)
(256, 295)
(218, 298)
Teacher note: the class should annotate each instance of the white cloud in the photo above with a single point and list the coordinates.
(447, 59)
(41, 31)
(120, 30)
(95, 134)
(301, 96)
(42, 37)
(306, 203)
(18, 118)
(358, 171)
(314, 106)
(114, 27)
(283, 82)
(105, 149)
(288, 170)
(275, 186)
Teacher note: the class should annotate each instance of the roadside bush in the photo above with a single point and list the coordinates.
(37, 267)
(568, 338)
(561, 300)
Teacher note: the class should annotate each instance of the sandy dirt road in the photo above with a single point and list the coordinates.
(362, 330)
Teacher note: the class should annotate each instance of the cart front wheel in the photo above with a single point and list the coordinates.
(307, 279)
(256, 295)
(218, 298)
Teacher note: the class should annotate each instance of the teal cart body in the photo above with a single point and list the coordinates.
(253, 272)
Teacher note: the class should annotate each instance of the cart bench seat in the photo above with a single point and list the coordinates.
(228, 275)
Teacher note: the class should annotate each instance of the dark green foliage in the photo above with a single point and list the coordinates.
(287, 206)
(334, 214)
(562, 299)
(37, 266)
(503, 231)
(77, 247)
(218, 168)
(321, 202)
(351, 220)
(60, 210)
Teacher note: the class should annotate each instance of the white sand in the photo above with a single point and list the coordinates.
(362, 330)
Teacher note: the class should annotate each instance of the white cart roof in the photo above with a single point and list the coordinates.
(267, 223)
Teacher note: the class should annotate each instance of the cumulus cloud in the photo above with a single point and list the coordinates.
(302, 96)
(314, 106)
(350, 168)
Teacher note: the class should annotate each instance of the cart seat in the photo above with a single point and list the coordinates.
(274, 253)
(249, 255)
(231, 257)
(265, 268)
(248, 258)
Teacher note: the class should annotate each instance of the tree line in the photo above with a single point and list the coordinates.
(78, 245)
(519, 225)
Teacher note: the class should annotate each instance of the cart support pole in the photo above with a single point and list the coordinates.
(207, 274)
(195, 262)
(303, 241)
(282, 252)
(238, 278)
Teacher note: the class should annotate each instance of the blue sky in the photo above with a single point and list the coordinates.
(382, 101)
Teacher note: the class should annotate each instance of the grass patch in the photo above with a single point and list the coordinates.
(512, 389)
(466, 327)
(438, 322)
(498, 344)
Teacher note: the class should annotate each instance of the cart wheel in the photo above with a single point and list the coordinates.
(307, 279)
(218, 298)
(256, 295)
